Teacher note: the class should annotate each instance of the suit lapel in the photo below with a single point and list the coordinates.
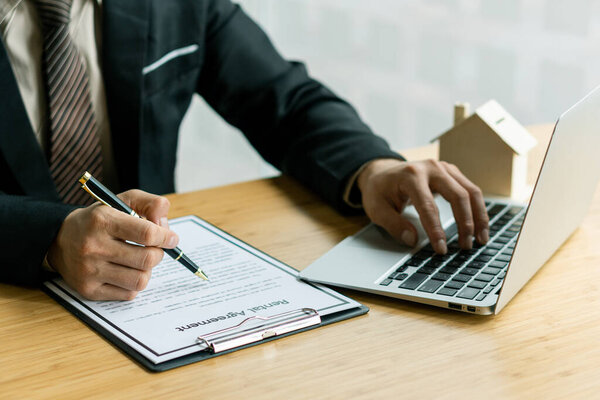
(18, 144)
(125, 36)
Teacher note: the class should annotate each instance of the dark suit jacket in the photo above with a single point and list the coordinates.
(296, 124)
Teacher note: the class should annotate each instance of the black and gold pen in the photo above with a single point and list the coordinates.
(106, 197)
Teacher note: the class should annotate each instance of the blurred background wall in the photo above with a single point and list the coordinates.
(403, 64)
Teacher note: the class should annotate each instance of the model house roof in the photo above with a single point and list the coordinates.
(502, 124)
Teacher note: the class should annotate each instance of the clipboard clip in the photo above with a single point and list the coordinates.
(257, 328)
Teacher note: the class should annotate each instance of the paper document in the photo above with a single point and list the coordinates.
(164, 320)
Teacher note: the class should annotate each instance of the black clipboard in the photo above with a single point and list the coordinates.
(200, 355)
(211, 351)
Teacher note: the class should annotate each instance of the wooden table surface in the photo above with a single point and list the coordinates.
(544, 344)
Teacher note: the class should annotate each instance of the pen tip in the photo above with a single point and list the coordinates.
(201, 275)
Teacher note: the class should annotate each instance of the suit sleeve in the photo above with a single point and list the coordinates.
(29, 226)
(296, 123)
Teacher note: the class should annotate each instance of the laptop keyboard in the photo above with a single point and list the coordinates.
(466, 274)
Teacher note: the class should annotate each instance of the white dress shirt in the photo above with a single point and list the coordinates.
(21, 32)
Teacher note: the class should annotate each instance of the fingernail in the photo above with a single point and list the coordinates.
(164, 222)
(440, 247)
(484, 236)
(467, 243)
(408, 238)
(173, 240)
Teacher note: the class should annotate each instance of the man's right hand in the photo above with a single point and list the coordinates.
(92, 256)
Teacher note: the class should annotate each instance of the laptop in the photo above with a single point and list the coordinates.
(522, 236)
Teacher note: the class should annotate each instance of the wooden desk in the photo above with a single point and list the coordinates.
(544, 344)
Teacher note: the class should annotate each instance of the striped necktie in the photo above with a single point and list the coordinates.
(74, 146)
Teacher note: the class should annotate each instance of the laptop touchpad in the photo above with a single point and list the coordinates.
(375, 237)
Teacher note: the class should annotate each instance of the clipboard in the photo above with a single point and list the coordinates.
(251, 331)
(209, 352)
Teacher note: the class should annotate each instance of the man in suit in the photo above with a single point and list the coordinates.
(104, 85)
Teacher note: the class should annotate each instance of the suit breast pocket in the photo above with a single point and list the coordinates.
(169, 68)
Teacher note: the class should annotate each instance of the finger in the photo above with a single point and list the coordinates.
(390, 219)
(138, 257)
(480, 216)
(422, 198)
(111, 292)
(153, 207)
(124, 277)
(126, 227)
(458, 197)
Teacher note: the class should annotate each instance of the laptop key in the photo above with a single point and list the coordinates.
(462, 278)
(434, 263)
(492, 212)
(453, 245)
(514, 210)
(488, 289)
(401, 277)
(455, 284)
(449, 270)
(496, 246)
(455, 263)
(414, 281)
(496, 282)
(440, 257)
(395, 275)
(452, 250)
(402, 268)
(476, 264)
(481, 297)
(477, 245)
(498, 264)
(413, 262)
(502, 274)
(469, 271)
(484, 277)
(427, 270)
(478, 284)
(423, 254)
(497, 225)
(446, 291)
(468, 293)
(430, 286)
(386, 282)
(428, 247)
(483, 258)
(503, 258)
(492, 270)
(489, 252)
(440, 276)
(460, 260)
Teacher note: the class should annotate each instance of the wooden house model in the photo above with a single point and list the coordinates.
(490, 147)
